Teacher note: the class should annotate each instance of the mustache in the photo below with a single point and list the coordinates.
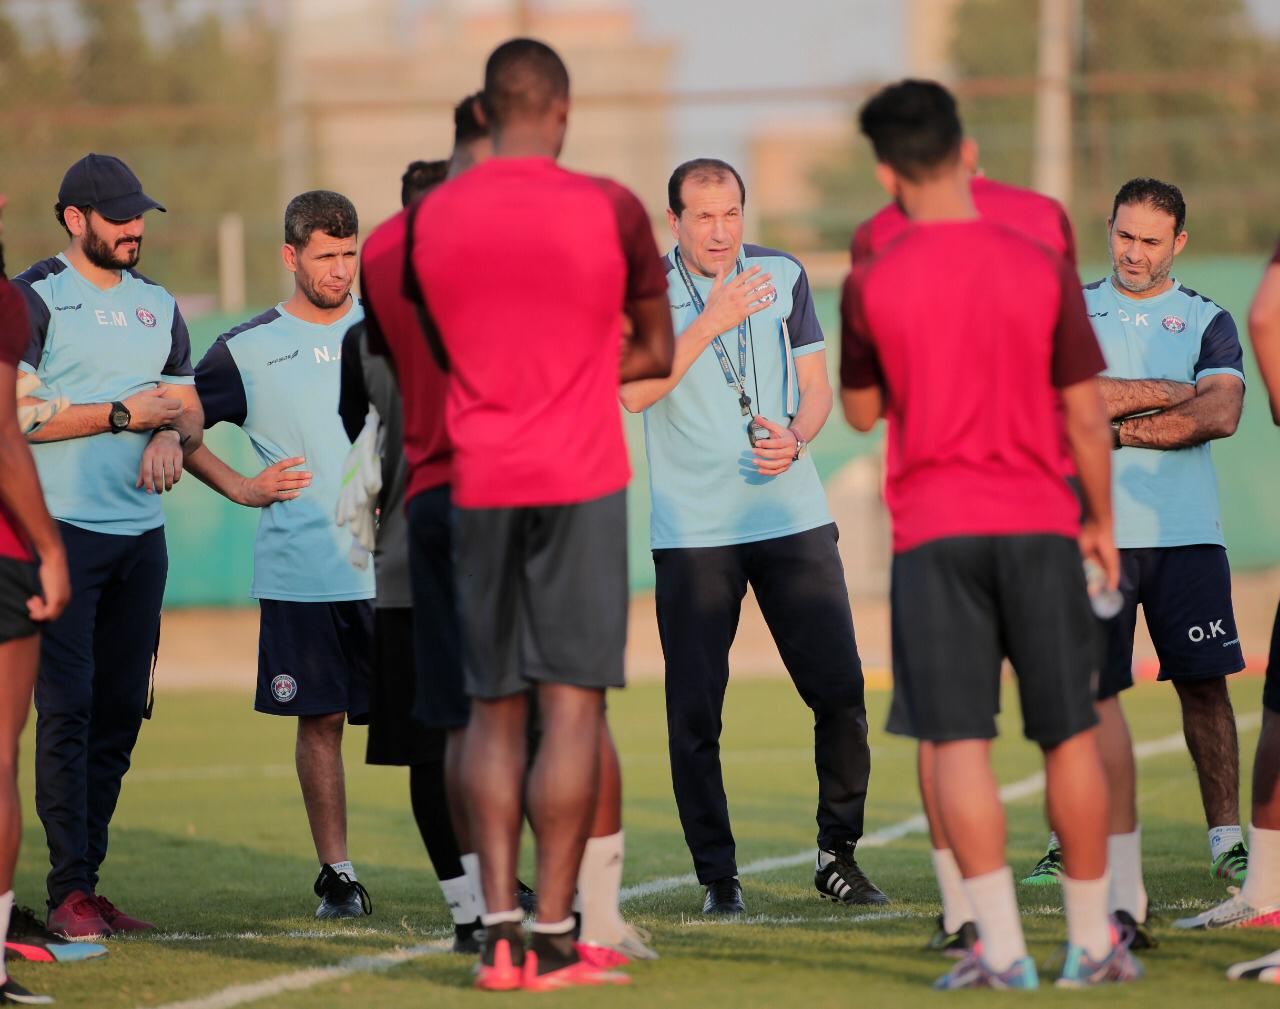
(128, 241)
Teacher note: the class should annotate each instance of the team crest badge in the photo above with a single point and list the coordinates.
(284, 688)
(145, 317)
(1173, 324)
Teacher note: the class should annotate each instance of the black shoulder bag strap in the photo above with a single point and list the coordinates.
(413, 291)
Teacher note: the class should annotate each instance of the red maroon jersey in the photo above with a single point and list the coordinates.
(969, 327)
(1033, 214)
(1276, 257)
(525, 268)
(15, 334)
(393, 326)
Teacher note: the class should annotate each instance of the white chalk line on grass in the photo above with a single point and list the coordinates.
(300, 980)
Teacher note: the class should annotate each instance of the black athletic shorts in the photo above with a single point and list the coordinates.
(314, 658)
(440, 699)
(19, 581)
(397, 735)
(962, 605)
(542, 593)
(1271, 690)
(1185, 594)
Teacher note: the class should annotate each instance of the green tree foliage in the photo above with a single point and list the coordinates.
(188, 103)
(1176, 89)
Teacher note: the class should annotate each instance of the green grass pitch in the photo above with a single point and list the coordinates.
(210, 842)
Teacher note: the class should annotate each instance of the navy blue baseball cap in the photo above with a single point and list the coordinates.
(106, 184)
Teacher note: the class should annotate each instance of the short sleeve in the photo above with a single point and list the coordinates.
(859, 358)
(646, 275)
(220, 386)
(37, 324)
(1076, 354)
(802, 323)
(177, 369)
(1220, 350)
(15, 330)
(353, 397)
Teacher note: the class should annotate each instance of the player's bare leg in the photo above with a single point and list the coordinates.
(18, 661)
(318, 756)
(956, 932)
(493, 772)
(1209, 725)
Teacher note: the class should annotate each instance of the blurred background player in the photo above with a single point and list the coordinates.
(277, 377)
(728, 512)
(1044, 220)
(115, 344)
(34, 589)
(1257, 904)
(539, 477)
(996, 574)
(1174, 382)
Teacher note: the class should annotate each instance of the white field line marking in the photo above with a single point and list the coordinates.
(1031, 785)
(310, 977)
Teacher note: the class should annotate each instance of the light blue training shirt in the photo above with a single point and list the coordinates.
(278, 377)
(96, 346)
(1164, 498)
(705, 490)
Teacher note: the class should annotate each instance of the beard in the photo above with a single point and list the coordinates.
(1159, 274)
(321, 299)
(121, 256)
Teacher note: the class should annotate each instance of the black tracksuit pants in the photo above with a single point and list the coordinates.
(799, 583)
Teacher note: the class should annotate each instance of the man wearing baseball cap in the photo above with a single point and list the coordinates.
(116, 346)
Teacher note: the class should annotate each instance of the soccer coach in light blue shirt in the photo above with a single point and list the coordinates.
(737, 501)
(113, 343)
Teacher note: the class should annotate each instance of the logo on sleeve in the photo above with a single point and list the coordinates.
(1173, 324)
(284, 688)
(145, 317)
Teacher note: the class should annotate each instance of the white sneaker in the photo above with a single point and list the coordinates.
(1265, 969)
(634, 944)
(1234, 912)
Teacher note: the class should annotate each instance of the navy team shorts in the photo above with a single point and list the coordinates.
(18, 583)
(1185, 593)
(1271, 691)
(315, 658)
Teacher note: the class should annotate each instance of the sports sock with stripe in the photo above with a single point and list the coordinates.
(599, 880)
(344, 868)
(1124, 860)
(462, 905)
(1223, 839)
(471, 869)
(1088, 924)
(1262, 885)
(995, 907)
(956, 909)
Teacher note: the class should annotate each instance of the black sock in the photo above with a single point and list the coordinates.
(554, 950)
(431, 811)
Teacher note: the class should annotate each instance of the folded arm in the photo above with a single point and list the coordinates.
(1213, 412)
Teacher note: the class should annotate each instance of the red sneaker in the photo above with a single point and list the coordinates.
(571, 975)
(78, 917)
(603, 957)
(502, 958)
(117, 920)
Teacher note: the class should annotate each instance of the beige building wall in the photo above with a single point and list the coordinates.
(367, 90)
(929, 27)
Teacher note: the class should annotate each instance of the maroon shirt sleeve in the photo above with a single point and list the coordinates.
(15, 331)
(646, 274)
(859, 360)
(860, 247)
(1076, 354)
(1276, 257)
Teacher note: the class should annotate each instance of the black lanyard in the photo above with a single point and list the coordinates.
(736, 380)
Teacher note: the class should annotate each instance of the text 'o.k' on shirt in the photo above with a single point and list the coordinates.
(705, 488)
(96, 346)
(277, 377)
(14, 337)
(967, 325)
(1164, 498)
(525, 268)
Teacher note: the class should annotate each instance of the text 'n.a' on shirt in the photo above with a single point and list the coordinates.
(278, 377)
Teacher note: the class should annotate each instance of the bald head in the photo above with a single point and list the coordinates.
(523, 80)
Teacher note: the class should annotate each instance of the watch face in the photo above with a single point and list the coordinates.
(119, 419)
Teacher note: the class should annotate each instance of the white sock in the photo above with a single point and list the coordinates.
(6, 905)
(1088, 924)
(554, 927)
(1223, 838)
(995, 908)
(471, 869)
(599, 880)
(1053, 840)
(1262, 885)
(344, 868)
(956, 909)
(1124, 860)
(514, 917)
(462, 905)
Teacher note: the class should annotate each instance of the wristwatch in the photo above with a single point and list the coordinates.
(802, 446)
(1115, 433)
(119, 417)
